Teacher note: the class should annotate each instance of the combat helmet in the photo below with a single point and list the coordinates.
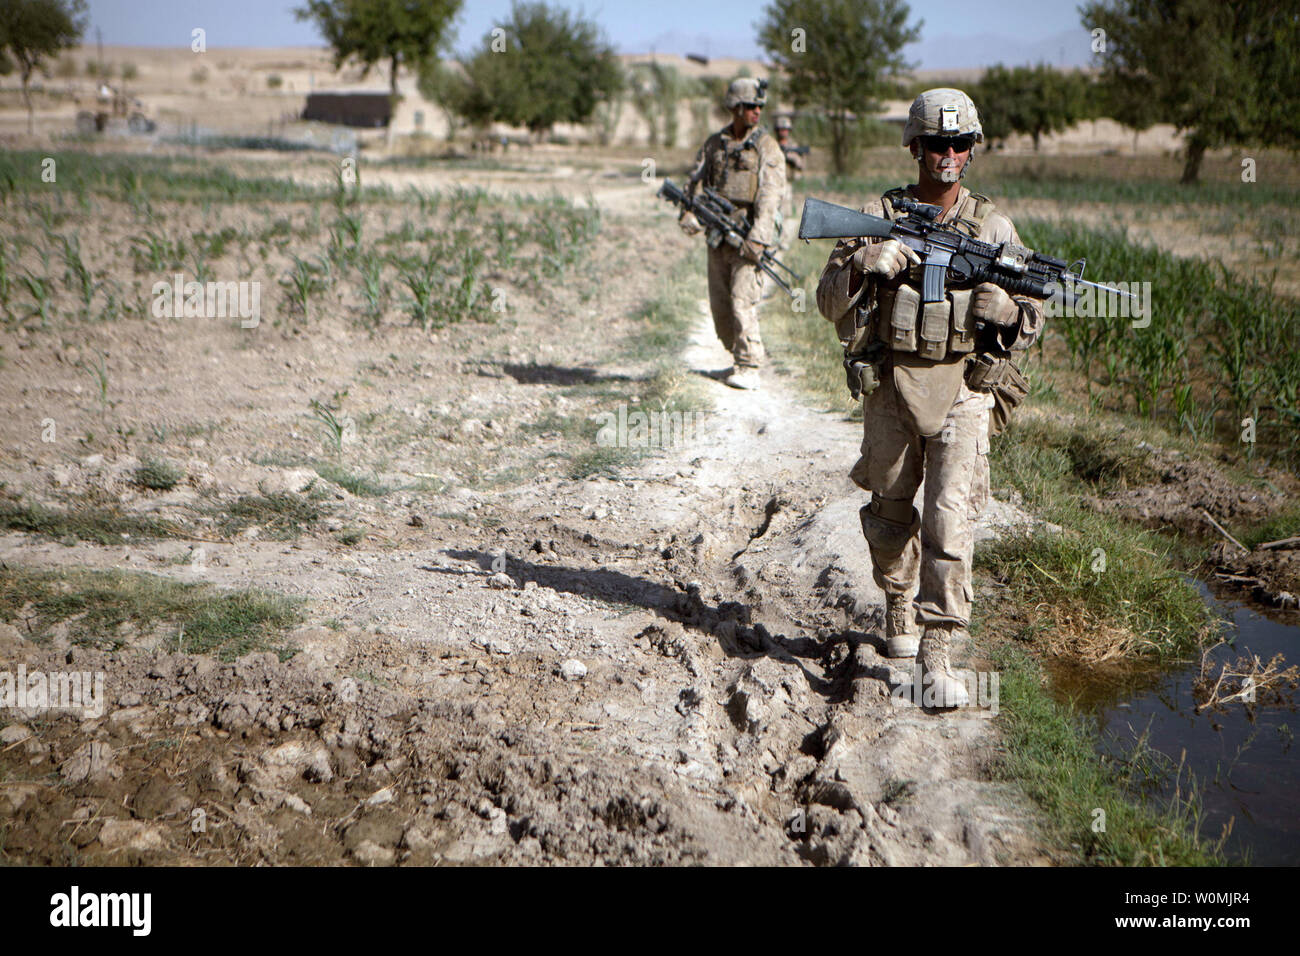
(942, 112)
(745, 90)
(783, 122)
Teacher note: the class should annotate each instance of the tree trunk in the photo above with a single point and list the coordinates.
(1195, 153)
(392, 78)
(27, 98)
(1037, 135)
(839, 161)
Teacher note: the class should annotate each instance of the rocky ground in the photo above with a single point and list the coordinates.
(676, 661)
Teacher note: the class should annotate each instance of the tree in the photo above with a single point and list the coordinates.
(1224, 73)
(541, 67)
(403, 32)
(656, 89)
(31, 31)
(1130, 103)
(445, 84)
(1032, 100)
(841, 56)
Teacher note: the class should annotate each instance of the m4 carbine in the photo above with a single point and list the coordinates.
(723, 222)
(949, 257)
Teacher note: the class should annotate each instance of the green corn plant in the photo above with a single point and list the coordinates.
(333, 427)
(40, 291)
(421, 278)
(6, 282)
(99, 372)
(373, 288)
(301, 283)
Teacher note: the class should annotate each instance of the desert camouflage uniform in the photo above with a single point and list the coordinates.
(923, 422)
(751, 173)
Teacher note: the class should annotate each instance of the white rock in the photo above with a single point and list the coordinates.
(14, 733)
(573, 669)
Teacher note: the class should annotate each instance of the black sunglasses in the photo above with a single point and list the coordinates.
(940, 144)
(751, 106)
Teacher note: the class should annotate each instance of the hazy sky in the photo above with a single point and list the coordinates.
(999, 30)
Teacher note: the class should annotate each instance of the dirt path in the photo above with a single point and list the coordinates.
(678, 665)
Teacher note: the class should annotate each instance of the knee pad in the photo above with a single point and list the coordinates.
(885, 533)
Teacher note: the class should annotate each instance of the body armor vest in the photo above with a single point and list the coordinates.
(932, 330)
(733, 169)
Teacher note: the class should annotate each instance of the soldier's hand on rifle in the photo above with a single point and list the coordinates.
(752, 251)
(690, 225)
(992, 304)
(886, 259)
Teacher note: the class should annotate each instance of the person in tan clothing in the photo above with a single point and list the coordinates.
(744, 164)
(923, 421)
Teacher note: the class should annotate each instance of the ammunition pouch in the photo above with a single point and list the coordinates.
(930, 329)
(998, 376)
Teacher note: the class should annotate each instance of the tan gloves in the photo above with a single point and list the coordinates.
(992, 304)
(886, 259)
(690, 225)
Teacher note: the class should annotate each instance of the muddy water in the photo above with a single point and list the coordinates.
(1248, 770)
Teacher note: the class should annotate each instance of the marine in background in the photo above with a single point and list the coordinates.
(744, 164)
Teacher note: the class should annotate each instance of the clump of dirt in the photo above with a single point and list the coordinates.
(1271, 577)
(1186, 488)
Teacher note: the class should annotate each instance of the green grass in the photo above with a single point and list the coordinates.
(1101, 581)
(225, 624)
(158, 474)
(280, 515)
(97, 525)
(350, 481)
(1285, 524)
(1052, 753)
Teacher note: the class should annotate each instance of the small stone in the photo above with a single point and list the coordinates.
(573, 669)
(133, 834)
(14, 733)
(501, 581)
(380, 797)
(369, 853)
(92, 762)
(297, 804)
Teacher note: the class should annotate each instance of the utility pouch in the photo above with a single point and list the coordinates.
(863, 371)
(1001, 378)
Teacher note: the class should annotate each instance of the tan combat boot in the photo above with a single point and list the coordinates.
(742, 377)
(901, 636)
(940, 688)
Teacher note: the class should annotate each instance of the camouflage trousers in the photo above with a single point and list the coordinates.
(735, 288)
(934, 565)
